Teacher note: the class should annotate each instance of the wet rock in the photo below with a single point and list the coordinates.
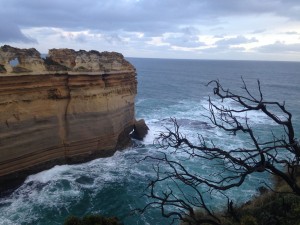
(140, 130)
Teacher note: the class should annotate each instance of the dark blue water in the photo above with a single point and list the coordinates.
(166, 88)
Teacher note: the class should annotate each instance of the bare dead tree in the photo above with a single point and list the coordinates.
(278, 156)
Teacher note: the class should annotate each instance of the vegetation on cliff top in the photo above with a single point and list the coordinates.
(271, 207)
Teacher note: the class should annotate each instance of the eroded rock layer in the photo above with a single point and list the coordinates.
(64, 116)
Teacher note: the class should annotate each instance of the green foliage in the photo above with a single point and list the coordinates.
(269, 208)
(92, 220)
(248, 220)
(73, 220)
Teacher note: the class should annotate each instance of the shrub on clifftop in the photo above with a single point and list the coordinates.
(92, 220)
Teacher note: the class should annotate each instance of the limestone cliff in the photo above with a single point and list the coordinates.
(70, 107)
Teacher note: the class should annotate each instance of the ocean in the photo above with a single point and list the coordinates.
(167, 88)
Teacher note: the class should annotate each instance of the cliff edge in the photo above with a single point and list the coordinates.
(69, 107)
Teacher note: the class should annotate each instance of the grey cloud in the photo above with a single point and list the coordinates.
(286, 8)
(223, 50)
(12, 33)
(219, 36)
(235, 41)
(290, 9)
(184, 40)
(292, 33)
(113, 39)
(258, 31)
(190, 30)
(145, 16)
(279, 47)
(81, 38)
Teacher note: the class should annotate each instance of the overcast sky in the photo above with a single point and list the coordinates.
(198, 29)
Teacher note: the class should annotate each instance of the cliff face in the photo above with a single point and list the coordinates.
(70, 107)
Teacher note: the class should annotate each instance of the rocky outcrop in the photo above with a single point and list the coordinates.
(67, 108)
(91, 61)
(140, 130)
(28, 60)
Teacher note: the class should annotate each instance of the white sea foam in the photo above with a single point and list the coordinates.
(8, 222)
(57, 188)
(153, 133)
(49, 175)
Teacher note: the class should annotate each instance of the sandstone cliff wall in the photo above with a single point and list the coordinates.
(68, 108)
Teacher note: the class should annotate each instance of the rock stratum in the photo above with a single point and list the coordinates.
(67, 108)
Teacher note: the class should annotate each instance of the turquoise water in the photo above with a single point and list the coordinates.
(166, 88)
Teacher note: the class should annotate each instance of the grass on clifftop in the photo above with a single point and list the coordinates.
(269, 208)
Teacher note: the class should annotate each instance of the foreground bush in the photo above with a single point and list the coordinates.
(92, 220)
(271, 207)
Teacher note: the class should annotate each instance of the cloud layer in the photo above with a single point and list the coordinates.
(156, 28)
